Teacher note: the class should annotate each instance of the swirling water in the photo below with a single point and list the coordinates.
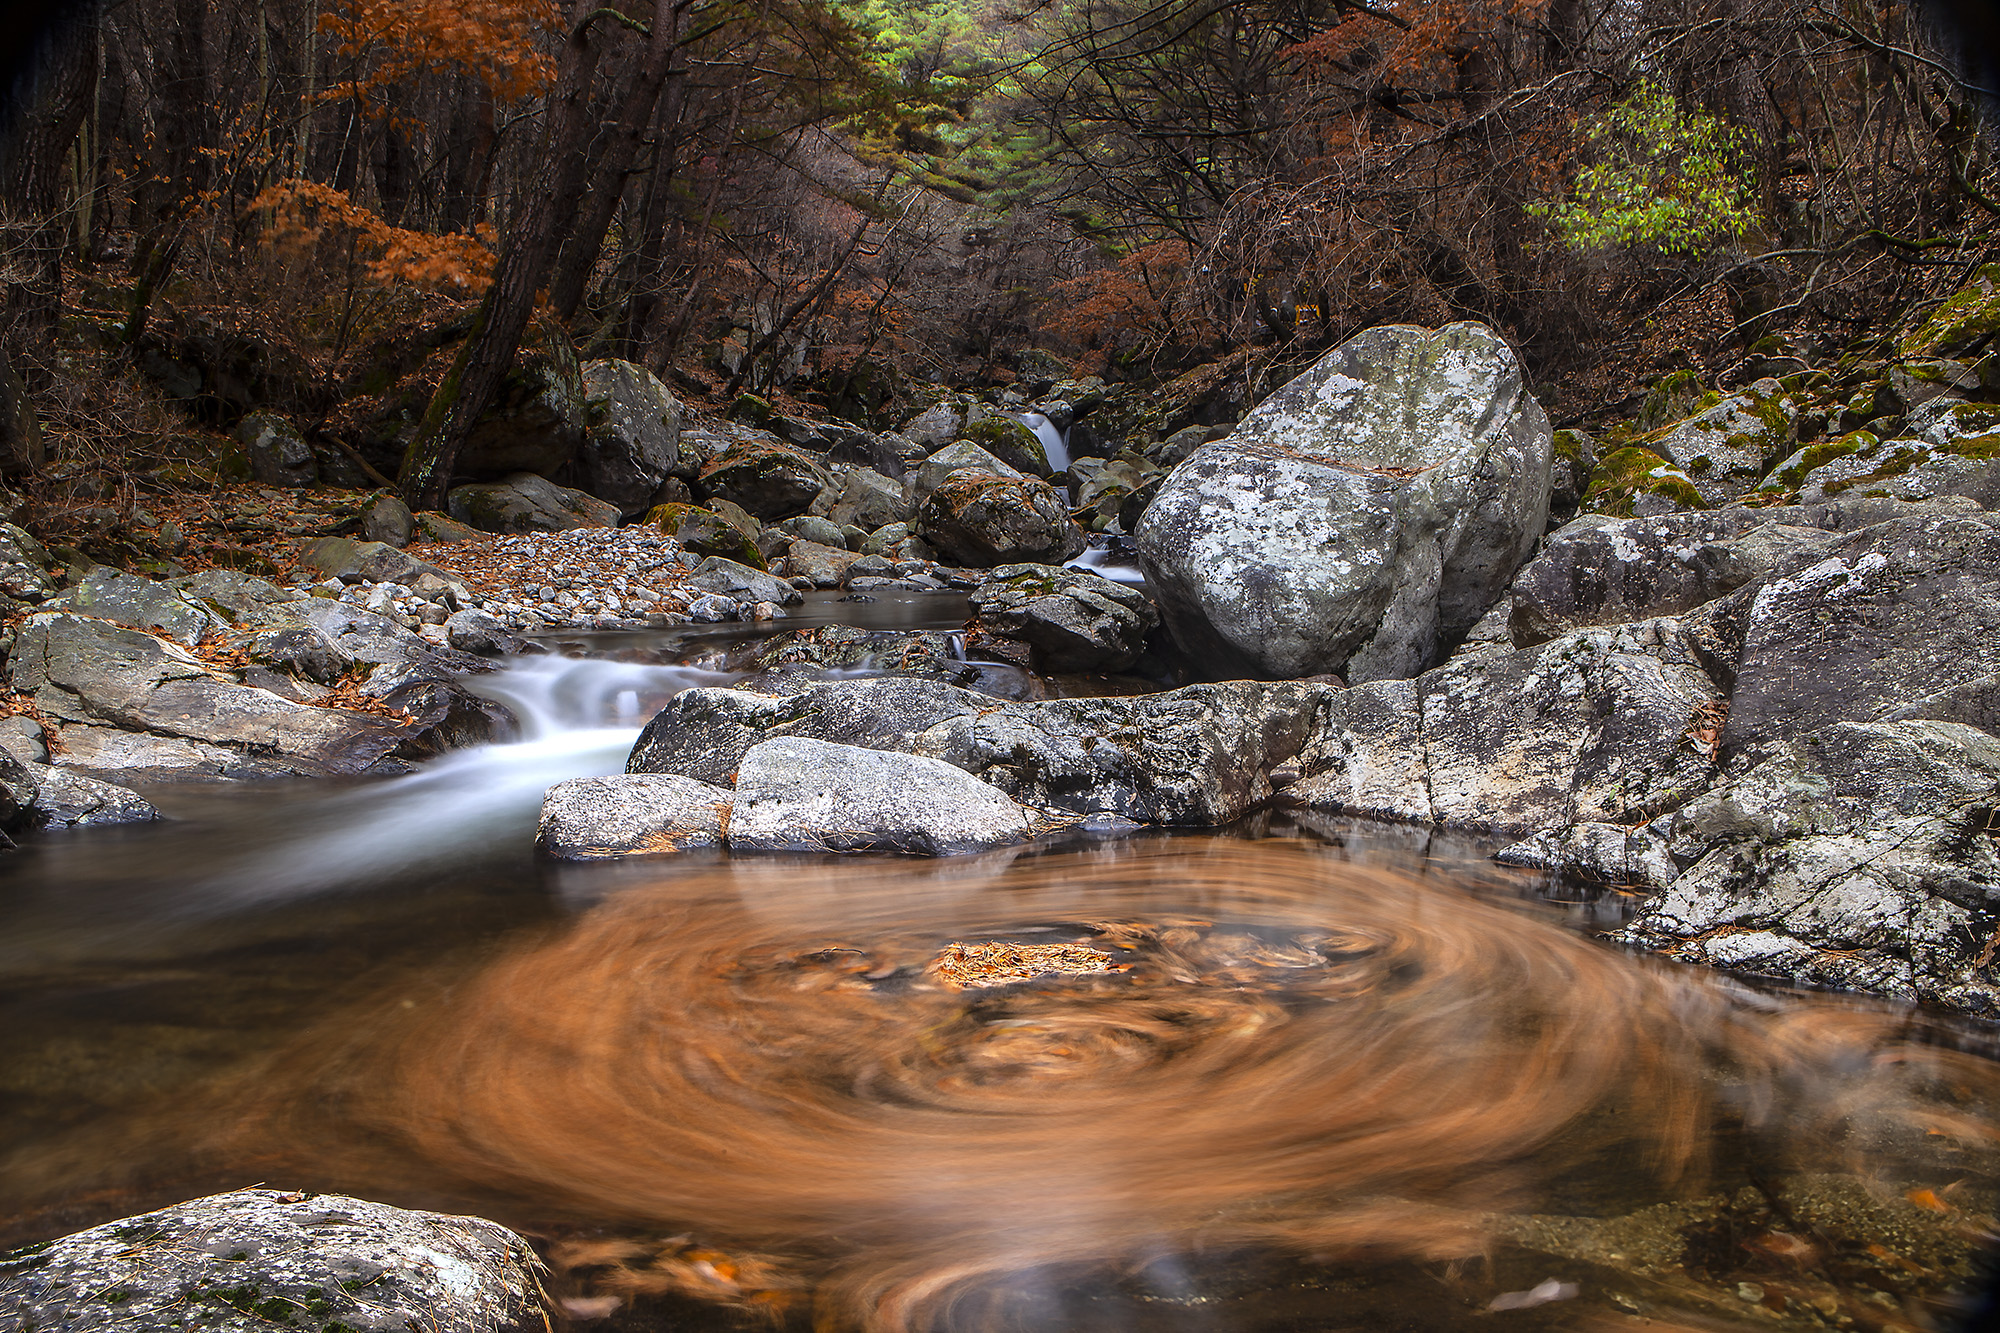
(1322, 1082)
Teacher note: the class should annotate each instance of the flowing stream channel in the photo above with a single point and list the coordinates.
(1296, 1074)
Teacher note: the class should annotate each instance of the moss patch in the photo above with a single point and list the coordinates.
(1624, 475)
(1967, 317)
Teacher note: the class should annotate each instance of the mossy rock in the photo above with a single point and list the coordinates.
(769, 481)
(706, 533)
(1010, 442)
(1967, 318)
(751, 408)
(1633, 482)
(1791, 474)
(1673, 397)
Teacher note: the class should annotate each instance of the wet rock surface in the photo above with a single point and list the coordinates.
(257, 1259)
(794, 794)
(631, 814)
(1075, 621)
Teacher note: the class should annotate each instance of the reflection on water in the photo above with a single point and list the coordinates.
(1317, 1056)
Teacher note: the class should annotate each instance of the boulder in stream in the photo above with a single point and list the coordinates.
(631, 814)
(800, 795)
(1361, 519)
(976, 519)
(256, 1259)
(1076, 620)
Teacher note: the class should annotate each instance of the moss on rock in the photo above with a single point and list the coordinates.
(1635, 481)
(1966, 318)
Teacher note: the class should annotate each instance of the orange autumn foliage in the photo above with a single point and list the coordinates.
(390, 41)
(303, 213)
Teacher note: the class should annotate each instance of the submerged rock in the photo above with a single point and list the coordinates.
(800, 795)
(256, 1259)
(1860, 856)
(1362, 518)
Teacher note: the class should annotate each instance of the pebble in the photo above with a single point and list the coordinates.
(590, 578)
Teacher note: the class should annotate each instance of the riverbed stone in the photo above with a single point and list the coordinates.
(1362, 518)
(984, 521)
(526, 502)
(631, 814)
(18, 789)
(799, 795)
(1860, 855)
(1075, 620)
(959, 457)
(1599, 726)
(741, 583)
(70, 800)
(824, 566)
(253, 1259)
(631, 443)
(1599, 570)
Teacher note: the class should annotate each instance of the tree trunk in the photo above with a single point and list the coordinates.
(38, 121)
(533, 235)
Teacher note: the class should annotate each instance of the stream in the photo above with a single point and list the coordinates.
(1309, 1074)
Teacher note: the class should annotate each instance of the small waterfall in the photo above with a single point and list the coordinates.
(1102, 560)
(1054, 443)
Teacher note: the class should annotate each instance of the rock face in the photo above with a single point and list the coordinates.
(1198, 756)
(71, 800)
(1600, 726)
(1362, 518)
(631, 814)
(255, 1259)
(1075, 620)
(959, 457)
(799, 795)
(632, 443)
(525, 502)
(1860, 855)
(983, 521)
(1607, 571)
(1903, 616)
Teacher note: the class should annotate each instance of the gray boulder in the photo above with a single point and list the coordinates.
(741, 583)
(823, 566)
(71, 800)
(246, 1261)
(279, 455)
(800, 795)
(1076, 620)
(869, 500)
(935, 426)
(524, 502)
(633, 441)
(389, 521)
(631, 814)
(1196, 756)
(367, 561)
(24, 566)
(1362, 518)
(1600, 726)
(19, 789)
(536, 421)
(1859, 856)
(984, 521)
(477, 632)
(960, 457)
(767, 480)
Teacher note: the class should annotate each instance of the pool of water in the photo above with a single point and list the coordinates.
(1318, 1074)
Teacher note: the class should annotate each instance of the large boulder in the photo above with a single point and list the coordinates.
(251, 1260)
(632, 443)
(741, 583)
(525, 502)
(1362, 518)
(631, 814)
(768, 480)
(1859, 856)
(980, 520)
(800, 795)
(1075, 620)
(279, 455)
(1600, 726)
(1725, 449)
(961, 457)
(869, 500)
(138, 603)
(72, 800)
